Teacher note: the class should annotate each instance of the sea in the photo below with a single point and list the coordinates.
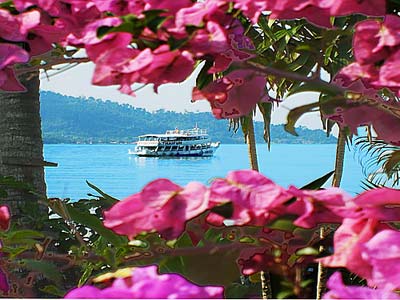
(114, 171)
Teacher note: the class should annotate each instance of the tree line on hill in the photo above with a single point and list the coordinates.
(67, 119)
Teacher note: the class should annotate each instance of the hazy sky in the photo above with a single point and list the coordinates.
(176, 97)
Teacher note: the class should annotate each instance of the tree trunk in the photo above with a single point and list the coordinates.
(21, 145)
(251, 147)
(337, 178)
(251, 144)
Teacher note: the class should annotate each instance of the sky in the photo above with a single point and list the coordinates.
(175, 97)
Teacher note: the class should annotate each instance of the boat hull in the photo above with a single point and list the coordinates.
(206, 152)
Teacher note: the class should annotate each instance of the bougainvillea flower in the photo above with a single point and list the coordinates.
(389, 73)
(234, 95)
(372, 110)
(4, 217)
(382, 204)
(4, 285)
(337, 290)
(365, 41)
(88, 35)
(212, 39)
(146, 283)
(162, 206)
(195, 15)
(315, 207)
(295, 9)
(254, 197)
(251, 8)
(348, 7)
(120, 7)
(349, 240)
(383, 253)
(11, 54)
(16, 28)
(47, 5)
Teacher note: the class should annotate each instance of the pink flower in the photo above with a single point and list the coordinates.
(389, 73)
(127, 66)
(212, 39)
(161, 205)
(316, 207)
(16, 27)
(382, 252)
(4, 217)
(120, 7)
(251, 8)
(382, 204)
(339, 291)
(195, 15)
(4, 285)
(365, 43)
(47, 5)
(349, 240)
(146, 283)
(295, 9)
(348, 7)
(254, 197)
(353, 114)
(235, 94)
(11, 54)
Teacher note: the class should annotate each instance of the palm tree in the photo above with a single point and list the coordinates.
(21, 145)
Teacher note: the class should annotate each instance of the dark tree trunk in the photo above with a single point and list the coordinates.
(21, 145)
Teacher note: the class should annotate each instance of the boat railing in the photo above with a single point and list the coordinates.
(194, 131)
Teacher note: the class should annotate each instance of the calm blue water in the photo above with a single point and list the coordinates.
(114, 171)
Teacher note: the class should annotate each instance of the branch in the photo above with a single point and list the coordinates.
(294, 76)
(51, 63)
(189, 251)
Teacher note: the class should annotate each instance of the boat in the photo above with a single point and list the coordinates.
(189, 142)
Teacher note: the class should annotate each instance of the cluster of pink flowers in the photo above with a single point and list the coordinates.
(158, 42)
(365, 219)
(318, 12)
(146, 283)
(4, 226)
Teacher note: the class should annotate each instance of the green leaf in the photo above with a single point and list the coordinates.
(25, 234)
(225, 210)
(53, 290)
(307, 251)
(86, 274)
(198, 267)
(284, 223)
(318, 183)
(103, 30)
(48, 269)
(295, 114)
(266, 111)
(313, 87)
(93, 222)
(204, 78)
(110, 200)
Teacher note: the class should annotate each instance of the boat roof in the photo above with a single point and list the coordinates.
(178, 133)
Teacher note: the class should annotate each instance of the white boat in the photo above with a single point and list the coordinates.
(190, 142)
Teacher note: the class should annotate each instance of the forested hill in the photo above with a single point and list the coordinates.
(68, 119)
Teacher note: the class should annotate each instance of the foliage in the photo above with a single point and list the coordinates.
(253, 52)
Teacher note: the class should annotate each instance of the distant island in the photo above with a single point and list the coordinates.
(67, 119)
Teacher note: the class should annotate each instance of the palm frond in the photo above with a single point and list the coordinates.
(380, 162)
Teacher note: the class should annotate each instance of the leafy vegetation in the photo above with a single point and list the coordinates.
(67, 119)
